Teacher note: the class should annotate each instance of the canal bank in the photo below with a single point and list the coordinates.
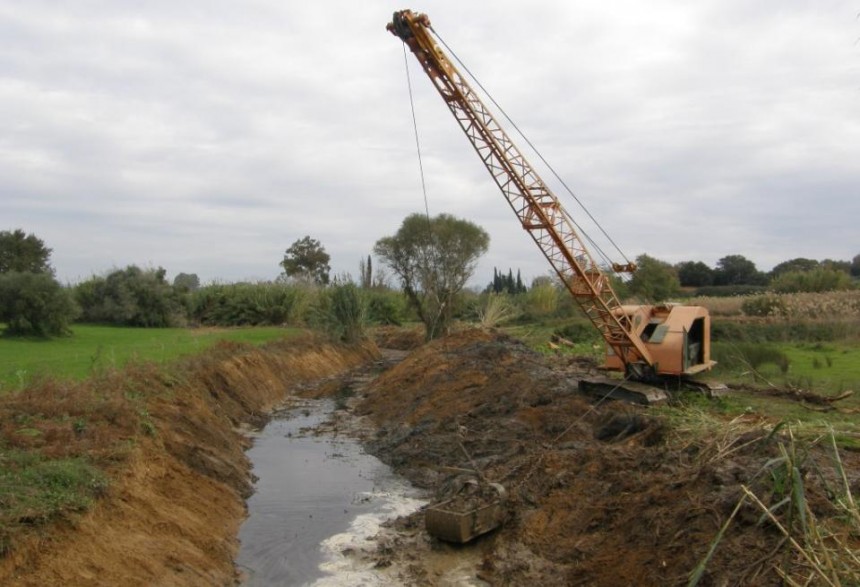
(172, 443)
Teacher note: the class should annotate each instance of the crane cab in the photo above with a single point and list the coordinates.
(677, 337)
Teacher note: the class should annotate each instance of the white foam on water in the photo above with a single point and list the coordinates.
(346, 570)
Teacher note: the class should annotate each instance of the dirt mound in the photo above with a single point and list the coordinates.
(599, 495)
(398, 337)
(170, 442)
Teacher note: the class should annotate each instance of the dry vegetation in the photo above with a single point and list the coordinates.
(836, 305)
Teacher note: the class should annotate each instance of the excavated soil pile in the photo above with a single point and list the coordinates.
(170, 441)
(398, 338)
(598, 495)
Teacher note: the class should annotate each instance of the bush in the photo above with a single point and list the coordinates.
(386, 307)
(250, 304)
(541, 301)
(763, 305)
(578, 332)
(496, 309)
(35, 304)
(750, 355)
(131, 297)
(817, 280)
(341, 311)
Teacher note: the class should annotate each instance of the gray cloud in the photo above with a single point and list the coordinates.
(208, 136)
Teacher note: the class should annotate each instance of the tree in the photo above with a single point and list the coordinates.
(542, 297)
(34, 303)
(817, 280)
(694, 274)
(433, 258)
(23, 252)
(737, 270)
(843, 266)
(855, 266)
(185, 282)
(365, 272)
(306, 259)
(506, 283)
(654, 279)
(794, 265)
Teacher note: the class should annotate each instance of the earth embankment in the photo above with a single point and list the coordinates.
(600, 494)
(172, 444)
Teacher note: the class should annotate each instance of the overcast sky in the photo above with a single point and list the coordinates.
(207, 136)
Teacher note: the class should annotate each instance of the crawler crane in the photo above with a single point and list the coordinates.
(645, 342)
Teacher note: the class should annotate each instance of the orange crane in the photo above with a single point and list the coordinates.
(643, 341)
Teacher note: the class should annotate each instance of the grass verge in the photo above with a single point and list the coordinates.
(92, 349)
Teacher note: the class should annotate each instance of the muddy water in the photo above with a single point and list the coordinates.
(317, 497)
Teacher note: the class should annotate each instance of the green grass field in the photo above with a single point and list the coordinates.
(826, 369)
(92, 348)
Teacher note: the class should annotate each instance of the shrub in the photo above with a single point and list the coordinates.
(751, 355)
(386, 307)
(817, 280)
(497, 309)
(35, 304)
(341, 311)
(131, 297)
(251, 304)
(542, 299)
(578, 332)
(763, 305)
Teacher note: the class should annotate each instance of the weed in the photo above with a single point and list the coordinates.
(342, 312)
(146, 423)
(79, 426)
(813, 551)
(497, 309)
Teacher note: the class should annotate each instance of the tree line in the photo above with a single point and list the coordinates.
(431, 258)
(736, 275)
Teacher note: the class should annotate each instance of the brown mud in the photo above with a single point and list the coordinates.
(601, 495)
(173, 445)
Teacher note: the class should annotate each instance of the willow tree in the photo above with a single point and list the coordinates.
(433, 258)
